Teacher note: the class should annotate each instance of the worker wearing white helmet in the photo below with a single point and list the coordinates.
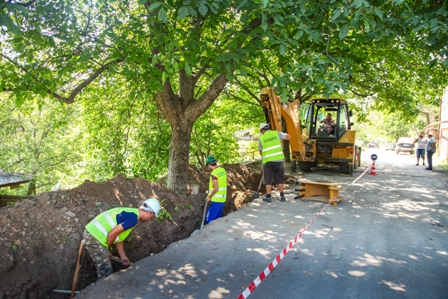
(111, 228)
(270, 147)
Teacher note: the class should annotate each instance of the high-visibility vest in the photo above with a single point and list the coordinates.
(221, 195)
(102, 224)
(271, 147)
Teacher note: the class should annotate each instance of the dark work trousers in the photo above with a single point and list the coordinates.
(429, 156)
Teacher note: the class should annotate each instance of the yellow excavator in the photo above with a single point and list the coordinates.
(312, 142)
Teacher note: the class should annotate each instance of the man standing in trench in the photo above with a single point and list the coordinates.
(270, 148)
(217, 190)
(112, 227)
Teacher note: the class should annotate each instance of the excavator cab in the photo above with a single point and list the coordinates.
(327, 119)
(328, 128)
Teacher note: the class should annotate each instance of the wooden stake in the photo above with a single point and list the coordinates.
(78, 267)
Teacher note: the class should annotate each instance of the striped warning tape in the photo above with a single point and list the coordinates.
(277, 260)
(285, 251)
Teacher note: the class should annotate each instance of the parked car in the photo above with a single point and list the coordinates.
(404, 145)
(390, 146)
(373, 144)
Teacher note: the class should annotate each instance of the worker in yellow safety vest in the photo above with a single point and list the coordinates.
(111, 228)
(270, 148)
(217, 190)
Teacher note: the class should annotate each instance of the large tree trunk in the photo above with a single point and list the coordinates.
(182, 110)
(179, 157)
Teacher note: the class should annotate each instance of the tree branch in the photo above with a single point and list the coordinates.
(200, 73)
(15, 63)
(206, 99)
(71, 98)
(361, 95)
(240, 98)
(246, 89)
(168, 102)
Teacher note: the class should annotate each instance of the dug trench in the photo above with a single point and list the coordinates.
(40, 236)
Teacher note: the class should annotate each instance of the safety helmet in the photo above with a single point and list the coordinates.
(210, 160)
(264, 126)
(151, 205)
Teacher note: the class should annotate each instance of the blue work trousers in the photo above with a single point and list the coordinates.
(214, 211)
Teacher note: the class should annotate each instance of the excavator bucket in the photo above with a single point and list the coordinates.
(319, 191)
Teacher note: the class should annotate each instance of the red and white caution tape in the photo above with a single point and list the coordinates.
(285, 251)
(276, 261)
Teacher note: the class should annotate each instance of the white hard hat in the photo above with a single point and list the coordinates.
(264, 126)
(151, 205)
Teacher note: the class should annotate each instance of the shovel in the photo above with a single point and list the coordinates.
(256, 194)
(119, 260)
(203, 217)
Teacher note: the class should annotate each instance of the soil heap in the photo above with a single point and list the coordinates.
(40, 236)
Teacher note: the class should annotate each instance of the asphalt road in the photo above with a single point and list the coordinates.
(388, 238)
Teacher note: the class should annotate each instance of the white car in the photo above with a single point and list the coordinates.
(390, 146)
(404, 145)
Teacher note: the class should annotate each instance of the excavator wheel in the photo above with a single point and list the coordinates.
(359, 158)
(293, 166)
(344, 168)
(305, 166)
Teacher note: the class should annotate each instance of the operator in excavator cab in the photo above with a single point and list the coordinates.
(327, 124)
(270, 147)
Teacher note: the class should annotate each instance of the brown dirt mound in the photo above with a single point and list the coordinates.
(40, 236)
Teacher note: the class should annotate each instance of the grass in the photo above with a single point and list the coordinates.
(443, 164)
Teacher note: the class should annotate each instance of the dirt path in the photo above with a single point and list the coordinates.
(387, 239)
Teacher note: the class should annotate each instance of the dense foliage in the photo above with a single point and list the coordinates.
(36, 139)
(144, 74)
(97, 140)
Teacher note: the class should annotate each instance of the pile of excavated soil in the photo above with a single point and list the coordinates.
(40, 236)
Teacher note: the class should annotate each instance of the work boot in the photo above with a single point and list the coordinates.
(267, 199)
(282, 198)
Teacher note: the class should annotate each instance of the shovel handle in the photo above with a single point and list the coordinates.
(259, 186)
(78, 267)
(203, 217)
(119, 260)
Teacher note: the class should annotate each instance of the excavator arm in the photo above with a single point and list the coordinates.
(275, 111)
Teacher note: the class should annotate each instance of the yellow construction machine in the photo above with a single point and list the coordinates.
(312, 142)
